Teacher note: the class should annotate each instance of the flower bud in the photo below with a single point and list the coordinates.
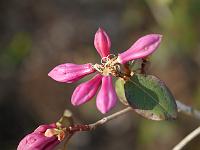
(141, 48)
(38, 141)
(106, 98)
(85, 91)
(70, 72)
(102, 43)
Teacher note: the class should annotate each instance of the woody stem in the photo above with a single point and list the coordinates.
(109, 118)
(181, 108)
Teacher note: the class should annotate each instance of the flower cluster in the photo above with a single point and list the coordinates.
(110, 66)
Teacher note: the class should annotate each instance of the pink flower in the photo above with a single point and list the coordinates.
(37, 140)
(106, 98)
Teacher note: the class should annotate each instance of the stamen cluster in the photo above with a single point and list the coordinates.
(108, 66)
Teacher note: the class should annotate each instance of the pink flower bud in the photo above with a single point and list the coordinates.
(106, 98)
(38, 141)
(85, 91)
(141, 48)
(102, 43)
(70, 72)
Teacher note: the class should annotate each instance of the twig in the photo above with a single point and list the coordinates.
(191, 112)
(187, 139)
(181, 108)
(81, 127)
(188, 110)
(108, 118)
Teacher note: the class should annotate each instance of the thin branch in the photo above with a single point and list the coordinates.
(80, 127)
(181, 108)
(191, 112)
(108, 118)
(188, 110)
(187, 139)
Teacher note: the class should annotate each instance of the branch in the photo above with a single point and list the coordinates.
(188, 110)
(108, 118)
(187, 139)
(181, 108)
(81, 127)
(191, 112)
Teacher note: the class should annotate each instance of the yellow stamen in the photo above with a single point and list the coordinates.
(60, 133)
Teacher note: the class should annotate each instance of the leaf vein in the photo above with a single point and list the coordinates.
(150, 96)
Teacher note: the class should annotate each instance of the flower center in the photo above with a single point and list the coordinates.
(109, 65)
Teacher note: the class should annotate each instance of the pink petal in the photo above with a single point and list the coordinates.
(141, 48)
(106, 98)
(43, 128)
(70, 72)
(38, 141)
(85, 91)
(102, 43)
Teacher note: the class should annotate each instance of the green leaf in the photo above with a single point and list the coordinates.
(148, 96)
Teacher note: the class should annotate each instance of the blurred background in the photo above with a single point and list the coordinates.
(35, 36)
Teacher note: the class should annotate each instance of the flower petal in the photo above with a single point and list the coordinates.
(38, 141)
(43, 128)
(85, 91)
(102, 43)
(70, 72)
(141, 48)
(106, 98)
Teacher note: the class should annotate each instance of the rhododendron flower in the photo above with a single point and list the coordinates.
(106, 98)
(45, 137)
